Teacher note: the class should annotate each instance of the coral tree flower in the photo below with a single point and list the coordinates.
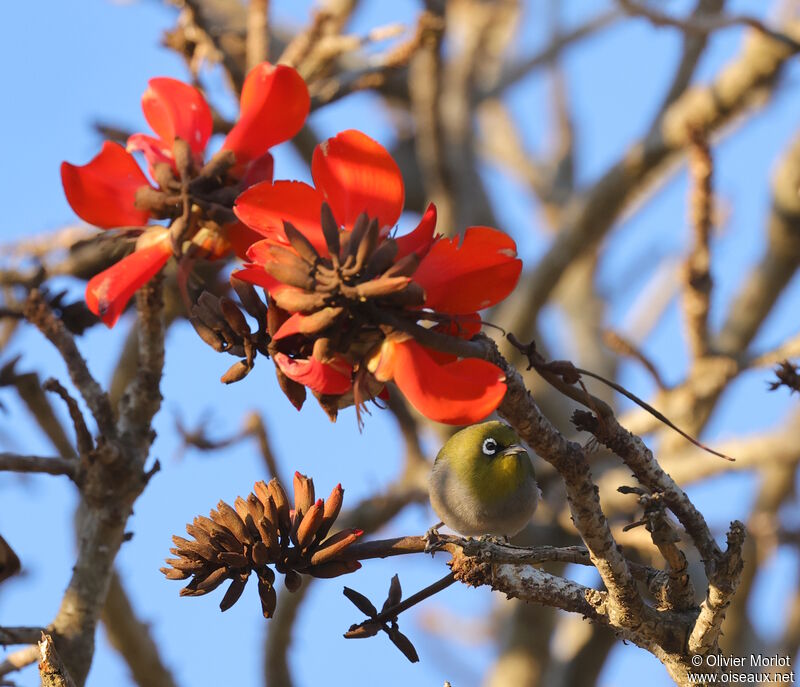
(104, 192)
(352, 301)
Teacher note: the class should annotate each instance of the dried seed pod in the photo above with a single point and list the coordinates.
(294, 391)
(292, 581)
(320, 320)
(395, 593)
(207, 334)
(404, 267)
(250, 300)
(322, 349)
(236, 372)
(233, 316)
(290, 275)
(185, 564)
(300, 301)
(233, 593)
(310, 524)
(354, 240)
(233, 559)
(210, 583)
(334, 569)
(363, 631)
(175, 573)
(260, 554)
(305, 249)
(361, 602)
(367, 246)
(383, 286)
(330, 230)
(281, 501)
(269, 598)
(332, 507)
(230, 519)
(182, 154)
(334, 545)
(382, 259)
(303, 494)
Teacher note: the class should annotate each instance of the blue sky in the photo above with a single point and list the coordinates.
(75, 64)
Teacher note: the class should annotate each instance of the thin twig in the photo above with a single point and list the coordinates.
(52, 466)
(257, 32)
(697, 296)
(705, 24)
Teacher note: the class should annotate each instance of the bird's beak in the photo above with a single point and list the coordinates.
(513, 450)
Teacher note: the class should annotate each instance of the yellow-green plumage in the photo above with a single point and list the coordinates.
(483, 481)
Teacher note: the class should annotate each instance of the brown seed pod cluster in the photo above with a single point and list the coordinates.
(344, 297)
(221, 324)
(260, 531)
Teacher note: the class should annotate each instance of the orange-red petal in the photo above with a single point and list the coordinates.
(256, 275)
(274, 107)
(259, 170)
(108, 293)
(420, 240)
(317, 376)
(457, 393)
(290, 327)
(264, 208)
(175, 109)
(357, 174)
(241, 238)
(102, 192)
(463, 279)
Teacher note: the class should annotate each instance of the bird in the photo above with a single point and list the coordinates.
(483, 482)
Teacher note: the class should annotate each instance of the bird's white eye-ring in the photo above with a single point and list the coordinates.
(489, 446)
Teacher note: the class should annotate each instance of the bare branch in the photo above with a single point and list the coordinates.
(50, 466)
(701, 24)
(51, 669)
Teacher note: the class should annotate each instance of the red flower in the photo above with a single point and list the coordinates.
(349, 325)
(274, 106)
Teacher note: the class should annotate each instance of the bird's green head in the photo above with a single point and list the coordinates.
(489, 458)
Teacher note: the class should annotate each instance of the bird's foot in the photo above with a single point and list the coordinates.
(432, 539)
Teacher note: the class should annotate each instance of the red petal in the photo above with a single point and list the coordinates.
(108, 293)
(317, 376)
(103, 191)
(175, 109)
(357, 174)
(265, 207)
(255, 274)
(290, 327)
(154, 149)
(274, 107)
(476, 275)
(241, 238)
(458, 393)
(420, 240)
(260, 169)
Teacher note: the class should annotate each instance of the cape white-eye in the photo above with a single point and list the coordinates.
(483, 482)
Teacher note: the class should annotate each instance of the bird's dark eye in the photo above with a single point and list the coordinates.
(489, 446)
